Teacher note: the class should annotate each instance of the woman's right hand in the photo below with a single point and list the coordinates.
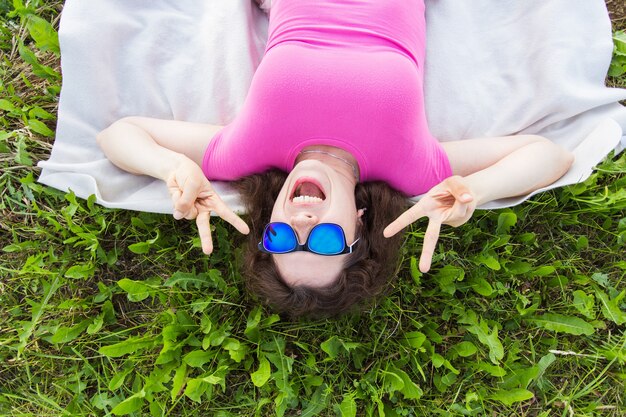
(450, 202)
(194, 198)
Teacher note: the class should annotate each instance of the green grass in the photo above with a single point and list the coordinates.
(106, 312)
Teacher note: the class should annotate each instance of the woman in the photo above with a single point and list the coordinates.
(338, 103)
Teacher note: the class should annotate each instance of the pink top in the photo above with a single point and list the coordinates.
(345, 73)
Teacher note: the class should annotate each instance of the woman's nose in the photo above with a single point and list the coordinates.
(302, 224)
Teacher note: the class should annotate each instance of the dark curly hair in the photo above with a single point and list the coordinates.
(367, 272)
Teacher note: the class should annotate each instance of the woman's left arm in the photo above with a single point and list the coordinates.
(485, 170)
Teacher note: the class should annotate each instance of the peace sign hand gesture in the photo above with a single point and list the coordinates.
(450, 202)
(194, 198)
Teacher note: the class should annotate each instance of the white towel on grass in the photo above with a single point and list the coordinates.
(494, 67)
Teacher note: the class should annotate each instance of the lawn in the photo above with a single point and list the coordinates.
(107, 312)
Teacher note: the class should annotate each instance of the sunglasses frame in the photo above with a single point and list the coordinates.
(305, 247)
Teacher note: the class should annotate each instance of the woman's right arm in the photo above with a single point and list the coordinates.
(491, 168)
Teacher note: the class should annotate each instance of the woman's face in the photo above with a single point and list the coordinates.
(315, 193)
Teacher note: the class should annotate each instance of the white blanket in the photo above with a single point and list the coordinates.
(494, 67)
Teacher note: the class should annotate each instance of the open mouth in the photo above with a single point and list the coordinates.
(307, 191)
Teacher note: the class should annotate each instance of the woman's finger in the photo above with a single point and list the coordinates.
(430, 243)
(456, 215)
(192, 213)
(411, 215)
(204, 230)
(174, 191)
(206, 194)
(188, 197)
(459, 190)
(228, 215)
(175, 194)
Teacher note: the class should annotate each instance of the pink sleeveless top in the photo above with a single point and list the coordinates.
(344, 73)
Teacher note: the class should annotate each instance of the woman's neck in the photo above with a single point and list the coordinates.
(337, 158)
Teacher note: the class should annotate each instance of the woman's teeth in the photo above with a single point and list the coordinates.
(307, 199)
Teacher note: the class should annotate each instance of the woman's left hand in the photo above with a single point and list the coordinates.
(194, 198)
(450, 202)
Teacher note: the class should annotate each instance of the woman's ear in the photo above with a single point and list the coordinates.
(264, 5)
(360, 213)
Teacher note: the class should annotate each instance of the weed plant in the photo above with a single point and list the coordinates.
(107, 312)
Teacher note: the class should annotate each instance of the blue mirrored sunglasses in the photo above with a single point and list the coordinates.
(324, 239)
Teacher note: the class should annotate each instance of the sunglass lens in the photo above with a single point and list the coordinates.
(327, 239)
(279, 238)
